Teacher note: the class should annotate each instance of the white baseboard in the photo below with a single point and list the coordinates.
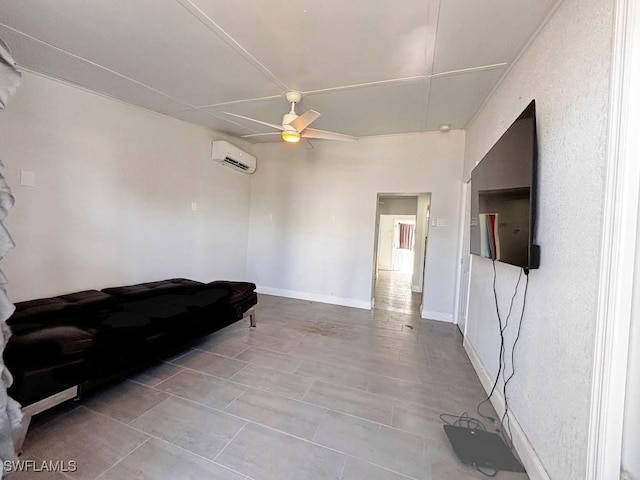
(530, 460)
(314, 297)
(439, 316)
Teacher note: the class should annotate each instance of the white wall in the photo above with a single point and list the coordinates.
(112, 201)
(398, 205)
(312, 225)
(566, 70)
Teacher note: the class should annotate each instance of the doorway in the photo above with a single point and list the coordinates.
(402, 222)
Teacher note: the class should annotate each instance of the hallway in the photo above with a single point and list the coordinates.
(393, 292)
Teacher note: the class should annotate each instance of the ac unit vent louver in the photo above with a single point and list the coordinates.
(233, 157)
(235, 163)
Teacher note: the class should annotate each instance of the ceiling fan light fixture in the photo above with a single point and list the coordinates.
(290, 136)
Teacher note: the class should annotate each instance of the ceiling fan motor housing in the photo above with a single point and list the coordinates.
(288, 118)
(293, 96)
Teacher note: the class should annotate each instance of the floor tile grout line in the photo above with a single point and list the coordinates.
(229, 379)
(234, 400)
(393, 411)
(241, 352)
(125, 456)
(315, 432)
(344, 464)
(230, 441)
(156, 384)
(168, 378)
(306, 392)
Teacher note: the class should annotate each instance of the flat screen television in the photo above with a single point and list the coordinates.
(503, 196)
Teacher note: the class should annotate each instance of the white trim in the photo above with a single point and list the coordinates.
(439, 316)
(619, 234)
(466, 307)
(315, 297)
(462, 226)
(526, 452)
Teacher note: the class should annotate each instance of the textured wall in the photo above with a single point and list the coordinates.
(313, 213)
(112, 198)
(566, 70)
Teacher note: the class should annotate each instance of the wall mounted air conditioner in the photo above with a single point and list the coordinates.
(233, 157)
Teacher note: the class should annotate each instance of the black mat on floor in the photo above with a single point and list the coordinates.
(482, 449)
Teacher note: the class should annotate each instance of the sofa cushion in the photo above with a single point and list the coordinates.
(239, 290)
(86, 297)
(47, 346)
(243, 296)
(36, 307)
(150, 288)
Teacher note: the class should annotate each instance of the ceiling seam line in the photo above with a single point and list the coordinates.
(366, 84)
(233, 102)
(226, 120)
(82, 59)
(229, 40)
(430, 55)
(462, 71)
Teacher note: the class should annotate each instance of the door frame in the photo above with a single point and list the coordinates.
(462, 292)
(376, 233)
(618, 251)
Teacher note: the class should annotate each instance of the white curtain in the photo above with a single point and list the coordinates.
(10, 415)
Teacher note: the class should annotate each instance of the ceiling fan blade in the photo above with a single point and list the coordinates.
(272, 125)
(260, 134)
(304, 120)
(324, 135)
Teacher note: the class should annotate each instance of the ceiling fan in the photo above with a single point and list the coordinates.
(294, 126)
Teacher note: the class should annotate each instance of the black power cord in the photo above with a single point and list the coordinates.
(465, 420)
(505, 417)
(502, 328)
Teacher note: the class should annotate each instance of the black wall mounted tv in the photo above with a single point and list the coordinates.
(503, 196)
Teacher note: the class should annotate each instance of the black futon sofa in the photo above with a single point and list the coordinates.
(64, 345)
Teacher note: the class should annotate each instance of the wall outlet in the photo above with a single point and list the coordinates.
(440, 222)
(27, 178)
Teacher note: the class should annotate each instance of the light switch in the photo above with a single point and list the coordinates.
(27, 178)
(194, 206)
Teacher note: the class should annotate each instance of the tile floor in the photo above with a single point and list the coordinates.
(393, 292)
(315, 392)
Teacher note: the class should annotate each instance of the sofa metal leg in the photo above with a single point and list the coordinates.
(38, 407)
(252, 316)
(21, 433)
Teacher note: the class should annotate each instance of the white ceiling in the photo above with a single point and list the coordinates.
(371, 67)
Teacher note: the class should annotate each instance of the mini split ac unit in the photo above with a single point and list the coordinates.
(233, 157)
